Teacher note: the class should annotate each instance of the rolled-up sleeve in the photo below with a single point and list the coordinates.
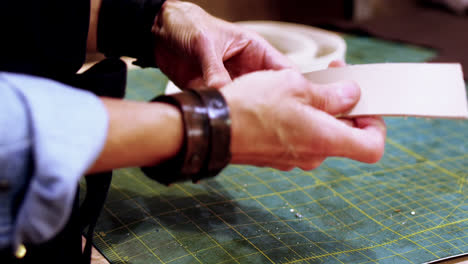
(63, 130)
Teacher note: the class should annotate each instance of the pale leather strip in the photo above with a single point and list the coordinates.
(433, 90)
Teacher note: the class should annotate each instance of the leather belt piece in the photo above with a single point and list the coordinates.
(430, 90)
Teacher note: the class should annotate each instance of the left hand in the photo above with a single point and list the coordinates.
(196, 50)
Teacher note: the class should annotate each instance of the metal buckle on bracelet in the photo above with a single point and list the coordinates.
(207, 135)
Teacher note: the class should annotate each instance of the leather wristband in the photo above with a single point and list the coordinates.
(220, 131)
(206, 147)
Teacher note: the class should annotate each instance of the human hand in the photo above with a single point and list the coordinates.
(287, 122)
(196, 50)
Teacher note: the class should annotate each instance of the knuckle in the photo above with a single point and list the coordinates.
(323, 101)
(199, 37)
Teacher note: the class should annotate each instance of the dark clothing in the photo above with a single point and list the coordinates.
(48, 38)
(126, 29)
(44, 38)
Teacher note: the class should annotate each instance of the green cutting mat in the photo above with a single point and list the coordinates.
(411, 207)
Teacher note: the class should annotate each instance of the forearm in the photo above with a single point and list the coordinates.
(139, 134)
(93, 24)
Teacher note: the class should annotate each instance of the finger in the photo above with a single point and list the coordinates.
(275, 60)
(258, 55)
(335, 98)
(373, 132)
(348, 121)
(197, 83)
(235, 48)
(363, 122)
(214, 72)
(337, 64)
(311, 164)
(365, 142)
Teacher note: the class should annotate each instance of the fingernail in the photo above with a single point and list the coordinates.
(349, 92)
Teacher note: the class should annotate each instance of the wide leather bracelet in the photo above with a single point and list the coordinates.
(207, 134)
(220, 131)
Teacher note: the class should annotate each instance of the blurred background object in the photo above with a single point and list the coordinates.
(312, 11)
(301, 11)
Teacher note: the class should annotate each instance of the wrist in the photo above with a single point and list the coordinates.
(205, 150)
(240, 114)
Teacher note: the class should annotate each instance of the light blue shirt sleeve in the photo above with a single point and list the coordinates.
(50, 134)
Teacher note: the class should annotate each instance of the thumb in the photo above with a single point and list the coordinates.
(214, 72)
(335, 98)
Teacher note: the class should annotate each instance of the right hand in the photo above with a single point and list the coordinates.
(197, 50)
(283, 121)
